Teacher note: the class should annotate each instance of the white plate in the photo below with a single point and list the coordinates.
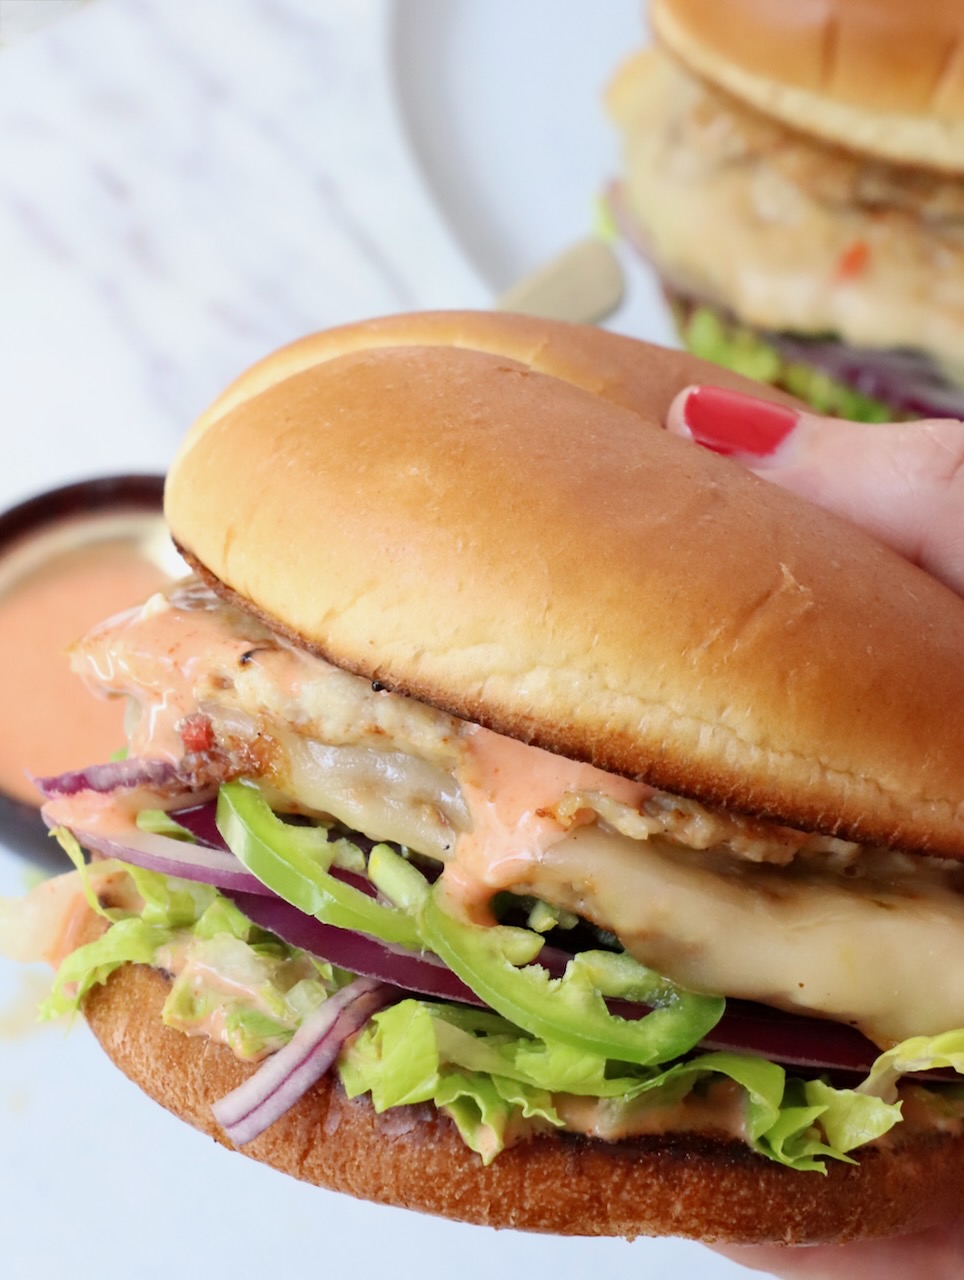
(503, 106)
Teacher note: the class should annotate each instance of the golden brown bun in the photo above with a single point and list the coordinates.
(685, 1185)
(882, 76)
(527, 550)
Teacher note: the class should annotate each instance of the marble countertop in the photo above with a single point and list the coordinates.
(185, 185)
(182, 188)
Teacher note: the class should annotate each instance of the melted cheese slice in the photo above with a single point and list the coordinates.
(869, 937)
(883, 949)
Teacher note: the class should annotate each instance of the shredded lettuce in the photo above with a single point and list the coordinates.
(543, 917)
(159, 822)
(604, 225)
(726, 342)
(130, 941)
(411, 1052)
(222, 916)
(851, 1118)
(491, 1078)
(167, 905)
(229, 973)
(495, 962)
(256, 995)
(919, 1053)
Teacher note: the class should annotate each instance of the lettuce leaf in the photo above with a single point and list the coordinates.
(130, 941)
(160, 822)
(726, 342)
(494, 1079)
(413, 1052)
(491, 1078)
(919, 1053)
(229, 973)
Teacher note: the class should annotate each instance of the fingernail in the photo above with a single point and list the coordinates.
(729, 422)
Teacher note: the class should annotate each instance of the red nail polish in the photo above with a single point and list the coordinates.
(729, 422)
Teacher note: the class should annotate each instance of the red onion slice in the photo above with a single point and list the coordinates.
(288, 1074)
(174, 858)
(119, 774)
(419, 972)
(792, 1039)
(201, 821)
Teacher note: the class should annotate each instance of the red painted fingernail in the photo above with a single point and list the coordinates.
(729, 422)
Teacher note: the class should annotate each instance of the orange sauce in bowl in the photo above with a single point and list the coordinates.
(51, 723)
(53, 588)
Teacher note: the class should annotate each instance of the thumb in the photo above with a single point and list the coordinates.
(902, 482)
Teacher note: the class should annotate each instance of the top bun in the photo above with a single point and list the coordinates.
(879, 76)
(481, 511)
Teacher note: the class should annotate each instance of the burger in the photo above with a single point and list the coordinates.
(793, 173)
(527, 817)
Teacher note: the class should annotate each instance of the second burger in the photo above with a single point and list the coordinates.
(793, 173)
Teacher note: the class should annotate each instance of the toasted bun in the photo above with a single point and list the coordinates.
(882, 76)
(706, 1188)
(481, 511)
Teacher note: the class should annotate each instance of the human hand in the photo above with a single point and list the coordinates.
(904, 483)
(937, 1254)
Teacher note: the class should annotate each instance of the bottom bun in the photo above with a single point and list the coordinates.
(677, 1184)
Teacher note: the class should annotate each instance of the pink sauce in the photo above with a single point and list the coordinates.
(511, 791)
(162, 658)
(50, 721)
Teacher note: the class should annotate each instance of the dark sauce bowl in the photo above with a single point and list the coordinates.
(33, 535)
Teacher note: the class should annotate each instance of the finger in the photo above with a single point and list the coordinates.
(903, 482)
(937, 1254)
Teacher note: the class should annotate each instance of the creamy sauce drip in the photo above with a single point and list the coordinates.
(512, 792)
(717, 1109)
(49, 724)
(163, 657)
(870, 938)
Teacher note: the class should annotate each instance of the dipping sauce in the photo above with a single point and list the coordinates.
(50, 721)
(77, 556)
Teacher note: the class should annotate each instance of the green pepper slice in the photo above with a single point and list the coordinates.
(293, 862)
(571, 1009)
